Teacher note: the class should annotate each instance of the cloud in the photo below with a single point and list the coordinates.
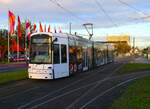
(87, 10)
(5, 1)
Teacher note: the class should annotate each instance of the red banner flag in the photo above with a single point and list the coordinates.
(14, 46)
(41, 28)
(11, 22)
(19, 27)
(28, 29)
(49, 28)
(34, 27)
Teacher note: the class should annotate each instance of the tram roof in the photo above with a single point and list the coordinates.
(65, 35)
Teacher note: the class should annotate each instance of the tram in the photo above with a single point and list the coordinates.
(57, 55)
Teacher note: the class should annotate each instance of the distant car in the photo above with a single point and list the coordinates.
(20, 58)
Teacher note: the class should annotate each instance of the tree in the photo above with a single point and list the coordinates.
(3, 48)
(4, 33)
(122, 48)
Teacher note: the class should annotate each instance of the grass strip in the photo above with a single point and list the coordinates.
(133, 67)
(13, 76)
(136, 96)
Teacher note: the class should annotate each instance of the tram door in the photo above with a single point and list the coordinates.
(85, 59)
(60, 61)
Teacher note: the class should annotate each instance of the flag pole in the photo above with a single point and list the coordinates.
(8, 49)
(18, 47)
(8, 52)
(25, 39)
(11, 24)
(18, 36)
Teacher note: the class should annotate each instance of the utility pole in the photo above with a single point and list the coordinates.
(70, 28)
(133, 45)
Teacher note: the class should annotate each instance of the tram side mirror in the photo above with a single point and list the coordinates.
(55, 40)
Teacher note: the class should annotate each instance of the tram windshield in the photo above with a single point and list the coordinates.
(40, 50)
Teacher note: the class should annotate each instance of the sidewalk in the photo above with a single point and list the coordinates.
(12, 63)
(140, 60)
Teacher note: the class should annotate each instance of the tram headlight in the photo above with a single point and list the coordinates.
(49, 67)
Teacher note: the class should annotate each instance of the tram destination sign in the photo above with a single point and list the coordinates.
(40, 40)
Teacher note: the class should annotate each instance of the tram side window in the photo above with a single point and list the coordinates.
(56, 54)
(63, 54)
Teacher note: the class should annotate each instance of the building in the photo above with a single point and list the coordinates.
(121, 43)
(118, 38)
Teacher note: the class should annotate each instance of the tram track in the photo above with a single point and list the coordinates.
(120, 84)
(33, 83)
(92, 88)
(28, 81)
(94, 84)
(68, 90)
(87, 100)
(12, 95)
(20, 95)
(70, 93)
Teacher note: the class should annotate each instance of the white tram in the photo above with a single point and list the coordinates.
(57, 55)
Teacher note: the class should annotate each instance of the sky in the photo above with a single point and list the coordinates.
(117, 19)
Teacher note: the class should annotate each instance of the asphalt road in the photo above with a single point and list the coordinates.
(4, 68)
(95, 89)
(12, 67)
